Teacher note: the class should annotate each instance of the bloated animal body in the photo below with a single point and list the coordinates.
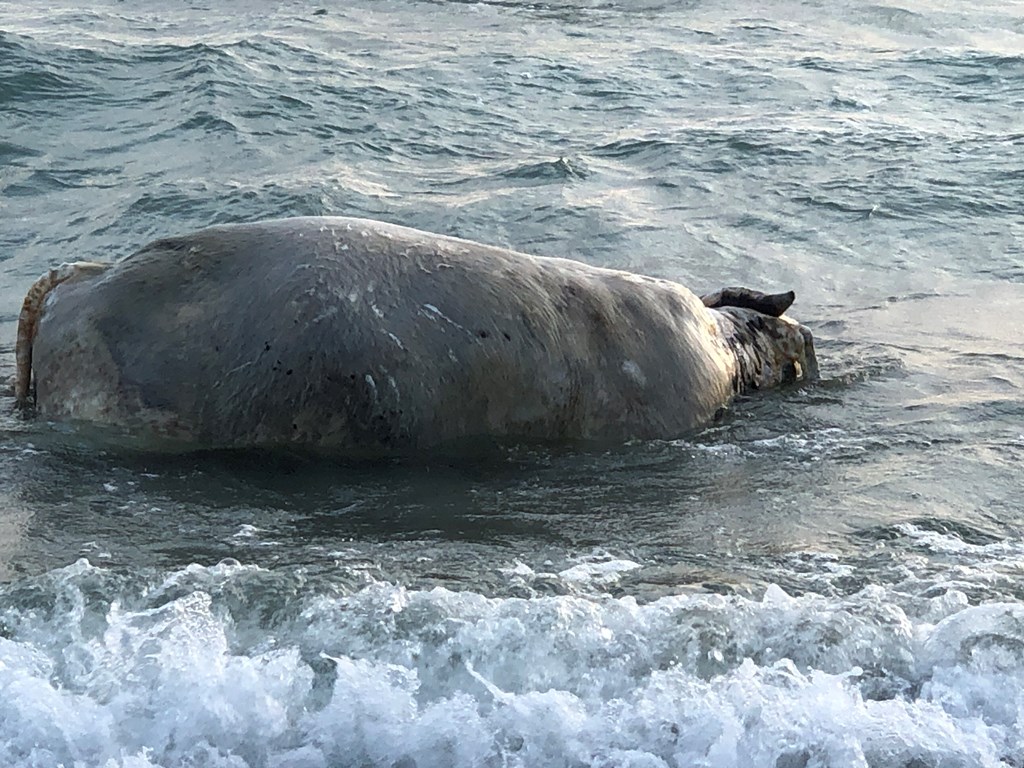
(368, 338)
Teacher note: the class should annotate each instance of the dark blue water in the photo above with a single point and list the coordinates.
(830, 577)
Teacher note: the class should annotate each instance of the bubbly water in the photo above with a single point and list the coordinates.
(830, 577)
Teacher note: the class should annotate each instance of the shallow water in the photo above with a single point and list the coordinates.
(830, 577)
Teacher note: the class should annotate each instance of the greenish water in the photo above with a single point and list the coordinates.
(830, 577)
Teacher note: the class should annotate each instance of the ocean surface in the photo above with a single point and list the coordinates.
(832, 577)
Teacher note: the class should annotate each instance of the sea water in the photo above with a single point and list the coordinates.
(830, 577)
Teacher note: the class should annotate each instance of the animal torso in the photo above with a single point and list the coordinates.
(354, 334)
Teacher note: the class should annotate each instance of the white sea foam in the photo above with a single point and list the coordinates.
(96, 672)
